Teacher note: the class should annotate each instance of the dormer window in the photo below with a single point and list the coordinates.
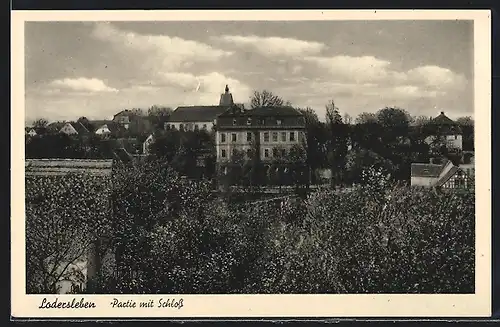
(279, 122)
(262, 121)
(234, 122)
(249, 121)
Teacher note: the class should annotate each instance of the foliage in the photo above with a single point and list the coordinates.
(172, 235)
(65, 216)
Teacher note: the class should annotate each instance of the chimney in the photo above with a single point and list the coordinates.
(442, 113)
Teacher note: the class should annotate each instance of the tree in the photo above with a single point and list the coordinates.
(366, 117)
(40, 122)
(337, 142)
(347, 119)
(66, 218)
(317, 136)
(420, 120)
(266, 98)
(158, 115)
(465, 121)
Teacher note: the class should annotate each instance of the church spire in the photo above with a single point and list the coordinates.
(227, 89)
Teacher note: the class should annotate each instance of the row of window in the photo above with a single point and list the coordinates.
(262, 121)
(266, 152)
(249, 137)
(188, 127)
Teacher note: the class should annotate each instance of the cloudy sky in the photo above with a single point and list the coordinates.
(95, 69)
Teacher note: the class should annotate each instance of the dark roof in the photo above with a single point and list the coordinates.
(453, 170)
(196, 113)
(80, 128)
(426, 170)
(56, 126)
(99, 123)
(51, 167)
(442, 119)
(267, 111)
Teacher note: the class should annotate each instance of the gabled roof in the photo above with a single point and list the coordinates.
(99, 123)
(56, 126)
(426, 170)
(196, 113)
(442, 119)
(80, 128)
(266, 112)
(444, 125)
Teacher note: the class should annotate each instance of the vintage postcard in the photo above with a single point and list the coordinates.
(250, 164)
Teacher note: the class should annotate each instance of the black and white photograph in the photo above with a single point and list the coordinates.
(250, 157)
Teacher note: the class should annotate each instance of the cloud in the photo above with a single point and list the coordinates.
(82, 85)
(434, 76)
(204, 89)
(274, 46)
(359, 69)
(158, 51)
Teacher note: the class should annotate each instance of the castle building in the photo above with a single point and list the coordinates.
(264, 132)
(192, 118)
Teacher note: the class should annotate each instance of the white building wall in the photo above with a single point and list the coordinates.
(423, 181)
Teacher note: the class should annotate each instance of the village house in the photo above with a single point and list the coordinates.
(446, 130)
(34, 131)
(105, 128)
(447, 175)
(261, 130)
(193, 118)
(74, 128)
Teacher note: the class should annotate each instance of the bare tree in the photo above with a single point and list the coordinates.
(347, 119)
(267, 99)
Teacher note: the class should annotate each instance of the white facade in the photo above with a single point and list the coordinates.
(242, 140)
(103, 130)
(452, 141)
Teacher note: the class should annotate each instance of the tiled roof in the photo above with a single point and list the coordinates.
(99, 123)
(426, 170)
(48, 167)
(196, 113)
(445, 125)
(267, 111)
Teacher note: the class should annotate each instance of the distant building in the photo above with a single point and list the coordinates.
(261, 130)
(108, 128)
(199, 117)
(74, 128)
(446, 129)
(34, 131)
(447, 175)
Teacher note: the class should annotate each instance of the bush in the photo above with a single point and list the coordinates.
(172, 235)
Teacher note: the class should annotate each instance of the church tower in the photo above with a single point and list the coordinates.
(226, 99)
